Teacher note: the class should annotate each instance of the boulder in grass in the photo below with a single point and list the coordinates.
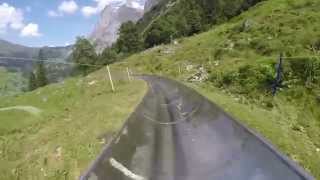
(200, 76)
(246, 25)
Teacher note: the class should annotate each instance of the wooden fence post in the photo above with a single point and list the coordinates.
(128, 72)
(110, 79)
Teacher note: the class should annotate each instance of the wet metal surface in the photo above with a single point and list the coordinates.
(176, 134)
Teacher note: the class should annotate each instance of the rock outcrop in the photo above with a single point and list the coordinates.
(149, 4)
(111, 18)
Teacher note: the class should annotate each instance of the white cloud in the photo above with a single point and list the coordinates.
(30, 30)
(10, 17)
(13, 18)
(88, 11)
(68, 7)
(52, 13)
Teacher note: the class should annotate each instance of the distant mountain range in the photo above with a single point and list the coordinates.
(8, 49)
(11, 53)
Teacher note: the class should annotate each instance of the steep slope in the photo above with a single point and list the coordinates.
(150, 4)
(179, 18)
(239, 58)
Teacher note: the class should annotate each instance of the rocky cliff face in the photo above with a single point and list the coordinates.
(114, 14)
(149, 4)
(111, 18)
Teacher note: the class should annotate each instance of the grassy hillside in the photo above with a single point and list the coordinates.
(11, 83)
(56, 131)
(240, 56)
(180, 18)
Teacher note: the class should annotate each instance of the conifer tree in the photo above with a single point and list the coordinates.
(129, 40)
(41, 76)
(32, 81)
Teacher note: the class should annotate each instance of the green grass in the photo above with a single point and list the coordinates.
(11, 83)
(281, 124)
(69, 133)
(291, 120)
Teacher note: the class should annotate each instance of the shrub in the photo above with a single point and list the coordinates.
(261, 46)
(255, 78)
(247, 79)
(296, 93)
(304, 70)
(318, 99)
(215, 78)
(227, 78)
(316, 45)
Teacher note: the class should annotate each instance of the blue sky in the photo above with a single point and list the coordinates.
(48, 22)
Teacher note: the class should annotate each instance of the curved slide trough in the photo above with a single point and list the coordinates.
(177, 134)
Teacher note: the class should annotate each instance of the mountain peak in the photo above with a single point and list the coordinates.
(111, 18)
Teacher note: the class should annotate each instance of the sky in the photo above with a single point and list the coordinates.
(48, 22)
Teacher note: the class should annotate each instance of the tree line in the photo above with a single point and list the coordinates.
(186, 18)
(88, 60)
